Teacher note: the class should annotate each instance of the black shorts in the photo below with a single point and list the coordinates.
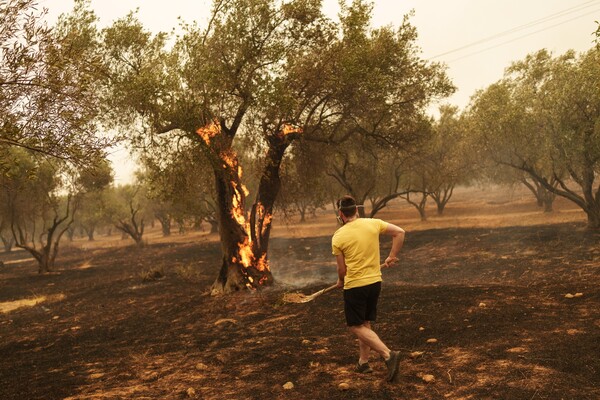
(360, 304)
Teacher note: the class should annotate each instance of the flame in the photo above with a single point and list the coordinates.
(266, 222)
(287, 129)
(209, 131)
(246, 255)
(263, 265)
(263, 216)
(245, 250)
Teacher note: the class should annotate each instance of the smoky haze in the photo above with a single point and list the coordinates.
(298, 263)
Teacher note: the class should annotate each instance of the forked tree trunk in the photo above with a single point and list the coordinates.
(419, 205)
(240, 266)
(302, 214)
(46, 255)
(132, 228)
(245, 238)
(442, 197)
(544, 197)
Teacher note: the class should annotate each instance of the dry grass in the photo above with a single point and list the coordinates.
(9, 306)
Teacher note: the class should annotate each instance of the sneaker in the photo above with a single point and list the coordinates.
(363, 368)
(392, 365)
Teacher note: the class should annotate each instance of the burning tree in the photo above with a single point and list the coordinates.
(270, 74)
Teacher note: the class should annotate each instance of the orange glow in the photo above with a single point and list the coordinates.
(209, 131)
(246, 255)
(263, 264)
(266, 222)
(287, 129)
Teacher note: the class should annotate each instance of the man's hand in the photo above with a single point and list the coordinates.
(390, 261)
(340, 283)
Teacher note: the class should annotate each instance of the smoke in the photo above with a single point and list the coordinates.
(294, 273)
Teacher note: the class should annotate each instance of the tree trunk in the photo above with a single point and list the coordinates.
(441, 197)
(8, 243)
(245, 239)
(165, 223)
(239, 265)
(132, 228)
(302, 214)
(46, 255)
(420, 205)
(71, 234)
(90, 233)
(214, 226)
(548, 201)
(593, 217)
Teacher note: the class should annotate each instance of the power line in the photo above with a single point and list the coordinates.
(523, 36)
(530, 24)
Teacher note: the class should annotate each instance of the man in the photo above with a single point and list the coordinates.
(356, 247)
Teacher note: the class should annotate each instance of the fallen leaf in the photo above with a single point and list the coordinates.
(343, 386)
(416, 354)
(288, 385)
(569, 296)
(428, 378)
(432, 340)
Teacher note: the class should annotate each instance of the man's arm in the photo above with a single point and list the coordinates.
(397, 235)
(341, 269)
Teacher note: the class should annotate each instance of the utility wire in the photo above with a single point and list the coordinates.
(522, 36)
(547, 18)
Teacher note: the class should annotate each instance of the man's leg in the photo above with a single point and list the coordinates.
(364, 348)
(369, 339)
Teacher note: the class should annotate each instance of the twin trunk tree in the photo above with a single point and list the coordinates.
(49, 239)
(244, 236)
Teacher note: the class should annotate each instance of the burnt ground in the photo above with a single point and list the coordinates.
(493, 298)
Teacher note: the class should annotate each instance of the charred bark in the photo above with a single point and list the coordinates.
(245, 238)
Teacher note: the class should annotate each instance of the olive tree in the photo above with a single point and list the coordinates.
(542, 119)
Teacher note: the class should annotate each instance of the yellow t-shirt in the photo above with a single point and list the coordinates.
(358, 241)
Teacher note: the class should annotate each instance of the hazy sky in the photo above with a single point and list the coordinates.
(502, 30)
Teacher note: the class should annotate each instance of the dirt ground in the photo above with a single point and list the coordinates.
(488, 282)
